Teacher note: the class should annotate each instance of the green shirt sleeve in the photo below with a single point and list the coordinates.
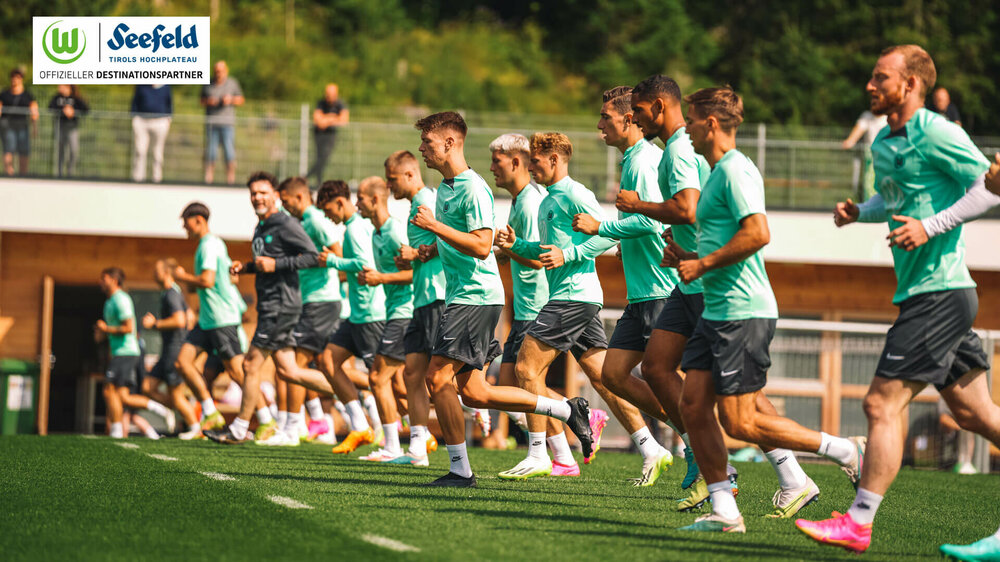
(530, 250)
(746, 196)
(480, 212)
(593, 247)
(636, 225)
(125, 308)
(210, 256)
(349, 265)
(949, 148)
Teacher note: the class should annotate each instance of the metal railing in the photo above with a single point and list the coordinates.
(804, 167)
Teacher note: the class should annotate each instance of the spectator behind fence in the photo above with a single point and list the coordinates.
(220, 99)
(16, 106)
(331, 113)
(152, 108)
(941, 103)
(67, 107)
(868, 125)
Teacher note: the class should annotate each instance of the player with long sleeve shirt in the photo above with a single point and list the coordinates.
(569, 321)
(281, 248)
(648, 285)
(929, 178)
(361, 333)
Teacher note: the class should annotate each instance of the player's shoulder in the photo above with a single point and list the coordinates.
(928, 127)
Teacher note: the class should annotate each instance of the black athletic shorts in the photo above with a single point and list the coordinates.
(362, 340)
(681, 313)
(932, 340)
(466, 334)
(317, 321)
(570, 326)
(514, 340)
(738, 356)
(123, 370)
(636, 324)
(421, 334)
(224, 340)
(274, 330)
(165, 369)
(391, 344)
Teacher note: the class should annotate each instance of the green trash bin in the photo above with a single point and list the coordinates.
(18, 384)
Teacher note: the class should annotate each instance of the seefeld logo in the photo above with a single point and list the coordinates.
(122, 38)
(66, 43)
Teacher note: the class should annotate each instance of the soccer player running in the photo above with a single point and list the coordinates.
(463, 223)
(320, 290)
(510, 156)
(281, 248)
(648, 285)
(388, 236)
(738, 323)
(402, 176)
(569, 321)
(119, 326)
(928, 178)
(172, 325)
(219, 316)
(359, 335)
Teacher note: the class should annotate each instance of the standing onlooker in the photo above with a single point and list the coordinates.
(330, 114)
(942, 104)
(152, 107)
(20, 105)
(220, 99)
(67, 106)
(868, 125)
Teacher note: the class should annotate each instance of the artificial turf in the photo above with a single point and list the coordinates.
(73, 498)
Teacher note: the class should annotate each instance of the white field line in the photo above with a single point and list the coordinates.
(126, 444)
(218, 476)
(161, 457)
(288, 502)
(89, 436)
(389, 543)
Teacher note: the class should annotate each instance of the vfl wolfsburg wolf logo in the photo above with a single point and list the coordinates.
(66, 44)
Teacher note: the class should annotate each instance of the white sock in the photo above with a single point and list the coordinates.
(273, 408)
(392, 438)
(292, 424)
(561, 452)
(264, 416)
(239, 428)
(465, 408)
(536, 445)
(864, 507)
(117, 431)
(151, 433)
(372, 407)
(329, 423)
(786, 466)
(282, 418)
(723, 502)
(418, 440)
(194, 427)
(341, 409)
(837, 449)
(207, 408)
(315, 408)
(158, 409)
(519, 418)
(357, 416)
(459, 459)
(648, 447)
(558, 409)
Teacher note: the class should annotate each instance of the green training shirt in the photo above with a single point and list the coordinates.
(740, 291)
(682, 168)
(923, 168)
(117, 309)
(319, 284)
(221, 304)
(531, 287)
(367, 303)
(428, 278)
(465, 203)
(641, 237)
(386, 242)
(577, 279)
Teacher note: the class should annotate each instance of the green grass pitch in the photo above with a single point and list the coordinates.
(75, 498)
